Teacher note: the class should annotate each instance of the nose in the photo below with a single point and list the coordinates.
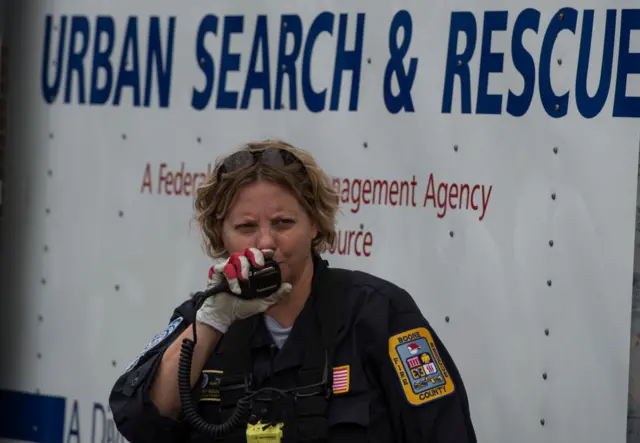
(266, 239)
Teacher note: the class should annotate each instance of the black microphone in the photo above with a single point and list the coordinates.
(262, 282)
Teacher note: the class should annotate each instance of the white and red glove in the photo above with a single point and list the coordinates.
(221, 310)
(236, 267)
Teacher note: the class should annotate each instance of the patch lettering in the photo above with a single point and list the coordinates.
(159, 338)
(210, 385)
(341, 379)
(420, 369)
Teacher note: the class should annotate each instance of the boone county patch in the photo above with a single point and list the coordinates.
(159, 338)
(419, 367)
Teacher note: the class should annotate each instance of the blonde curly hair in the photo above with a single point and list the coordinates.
(309, 184)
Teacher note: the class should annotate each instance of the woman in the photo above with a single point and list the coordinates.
(351, 355)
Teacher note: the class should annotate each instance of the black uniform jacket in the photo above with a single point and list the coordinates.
(394, 380)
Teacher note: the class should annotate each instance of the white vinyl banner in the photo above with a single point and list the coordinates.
(486, 154)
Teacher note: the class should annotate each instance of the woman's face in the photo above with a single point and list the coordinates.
(266, 216)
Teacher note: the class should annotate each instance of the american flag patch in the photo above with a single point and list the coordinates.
(341, 379)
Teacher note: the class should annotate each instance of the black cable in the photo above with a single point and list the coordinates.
(240, 414)
(187, 349)
(243, 406)
(184, 384)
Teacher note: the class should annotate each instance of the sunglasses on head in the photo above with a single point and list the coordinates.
(275, 157)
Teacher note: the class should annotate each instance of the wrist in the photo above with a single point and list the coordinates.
(209, 327)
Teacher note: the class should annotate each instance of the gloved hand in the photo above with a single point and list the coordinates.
(221, 310)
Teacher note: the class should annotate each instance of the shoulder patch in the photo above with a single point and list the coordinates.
(159, 338)
(419, 367)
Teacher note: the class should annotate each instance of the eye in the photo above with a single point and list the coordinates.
(245, 227)
(284, 222)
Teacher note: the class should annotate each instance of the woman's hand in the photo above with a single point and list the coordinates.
(221, 310)
(236, 268)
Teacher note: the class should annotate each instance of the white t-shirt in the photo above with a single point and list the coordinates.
(278, 333)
